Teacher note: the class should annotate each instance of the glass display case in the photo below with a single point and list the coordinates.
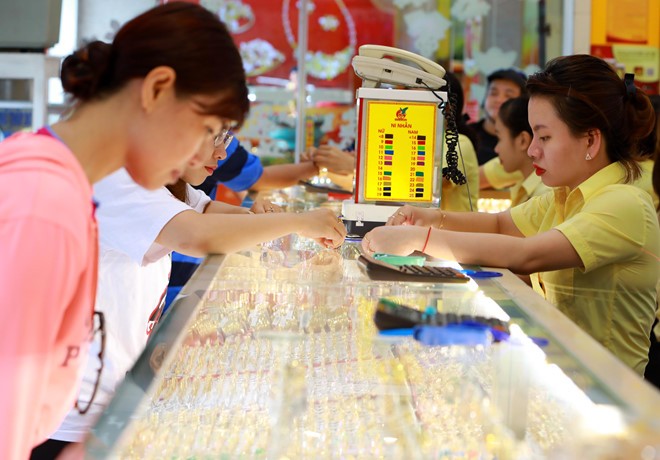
(272, 353)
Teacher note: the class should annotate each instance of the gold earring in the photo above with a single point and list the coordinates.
(588, 157)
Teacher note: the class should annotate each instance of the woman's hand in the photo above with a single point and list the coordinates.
(308, 155)
(323, 226)
(414, 215)
(334, 160)
(399, 240)
(261, 206)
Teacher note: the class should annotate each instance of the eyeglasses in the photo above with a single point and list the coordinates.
(224, 139)
(99, 331)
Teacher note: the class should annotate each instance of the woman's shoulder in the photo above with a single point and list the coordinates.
(622, 191)
(33, 152)
(622, 199)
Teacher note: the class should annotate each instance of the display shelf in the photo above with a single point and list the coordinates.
(38, 68)
(272, 353)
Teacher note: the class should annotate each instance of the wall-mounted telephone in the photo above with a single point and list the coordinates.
(376, 64)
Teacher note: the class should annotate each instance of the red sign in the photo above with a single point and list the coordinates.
(267, 35)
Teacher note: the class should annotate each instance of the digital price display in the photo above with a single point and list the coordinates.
(399, 153)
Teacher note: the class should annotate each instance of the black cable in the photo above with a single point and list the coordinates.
(451, 172)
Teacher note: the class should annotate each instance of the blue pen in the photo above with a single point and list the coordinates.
(398, 332)
(453, 334)
(468, 333)
(480, 274)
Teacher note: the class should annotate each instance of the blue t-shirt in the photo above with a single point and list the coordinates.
(239, 171)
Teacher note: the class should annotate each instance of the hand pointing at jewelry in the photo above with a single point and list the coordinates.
(323, 226)
(261, 206)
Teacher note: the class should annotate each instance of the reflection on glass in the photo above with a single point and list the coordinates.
(279, 362)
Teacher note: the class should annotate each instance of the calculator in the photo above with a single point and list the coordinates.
(379, 270)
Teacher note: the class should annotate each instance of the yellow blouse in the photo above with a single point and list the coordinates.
(614, 229)
(458, 197)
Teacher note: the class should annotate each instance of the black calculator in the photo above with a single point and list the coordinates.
(378, 270)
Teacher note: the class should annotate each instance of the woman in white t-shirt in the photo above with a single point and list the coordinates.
(138, 231)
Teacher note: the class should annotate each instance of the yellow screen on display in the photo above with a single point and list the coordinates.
(400, 143)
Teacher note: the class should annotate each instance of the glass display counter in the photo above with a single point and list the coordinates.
(272, 353)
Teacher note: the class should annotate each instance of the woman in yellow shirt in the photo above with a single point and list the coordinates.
(514, 136)
(593, 243)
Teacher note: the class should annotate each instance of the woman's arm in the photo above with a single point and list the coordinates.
(282, 176)
(483, 179)
(196, 234)
(546, 251)
(479, 222)
(259, 206)
(219, 207)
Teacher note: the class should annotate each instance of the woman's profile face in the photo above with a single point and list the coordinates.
(196, 172)
(505, 148)
(558, 156)
(173, 135)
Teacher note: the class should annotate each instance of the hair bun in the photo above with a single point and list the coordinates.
(83, 71)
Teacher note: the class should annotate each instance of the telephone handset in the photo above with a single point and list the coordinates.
(374, 67)
(379, 51)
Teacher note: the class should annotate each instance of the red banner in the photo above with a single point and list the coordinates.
(267, 35)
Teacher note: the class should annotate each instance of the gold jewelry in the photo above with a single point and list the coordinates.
(368, 244)
(442, 219)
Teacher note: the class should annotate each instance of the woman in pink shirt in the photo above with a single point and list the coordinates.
(171, 80)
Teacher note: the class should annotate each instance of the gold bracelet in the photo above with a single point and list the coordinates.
(442, 219)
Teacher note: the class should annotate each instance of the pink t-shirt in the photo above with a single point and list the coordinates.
(48, 266)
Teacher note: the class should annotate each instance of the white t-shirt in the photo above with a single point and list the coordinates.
(133, 276)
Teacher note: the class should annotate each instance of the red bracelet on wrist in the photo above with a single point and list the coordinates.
(428, 235)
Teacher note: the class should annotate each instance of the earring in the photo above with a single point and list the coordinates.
(588, 157)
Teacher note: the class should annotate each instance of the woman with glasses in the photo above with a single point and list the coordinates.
(593, 243)
(171, 78)
(139, 229)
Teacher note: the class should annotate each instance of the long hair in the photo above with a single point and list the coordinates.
(179, 189)
(455, 88)
(514, 115)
